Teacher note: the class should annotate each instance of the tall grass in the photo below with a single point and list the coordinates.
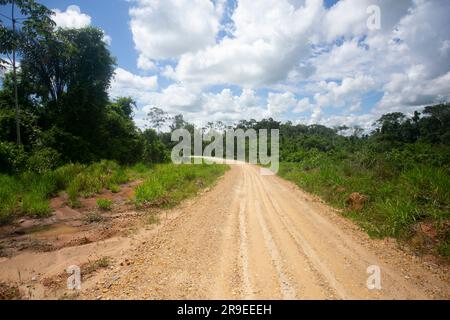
(29, 193)
(171, 183)
(398, 198)
(94, 178)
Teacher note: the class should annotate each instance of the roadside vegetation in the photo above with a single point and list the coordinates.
(166, 185)
(28, 194)
(393, 179)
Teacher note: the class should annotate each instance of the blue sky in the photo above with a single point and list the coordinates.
(308, 61)
(111, 16)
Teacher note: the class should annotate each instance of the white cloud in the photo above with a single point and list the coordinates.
(348, 18)
(293, 48)
(127, 84)
(268, 40)
(107, 39)
(146, 64)
(165, 29)
(304, 105)
(71, 18)
(339, 95)
(279, 103)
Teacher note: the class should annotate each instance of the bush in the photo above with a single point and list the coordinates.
(104, 204)
(95, 177)
(12, 157)
(114, 188)
(66, 174)
(42, 160)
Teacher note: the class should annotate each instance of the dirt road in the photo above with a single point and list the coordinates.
(260, 237)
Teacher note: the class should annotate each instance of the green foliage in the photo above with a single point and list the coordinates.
(29, 128)
(94, 178)
(93, 266)
(42, 160)
(9, 197)
(12, 157)
(63, 84)
(66, 174)
(168, 184)
(403, 167)
(154, 151)
(37, 23)
(104, 204)
(35, 204)
(114, 188)
(164, 185)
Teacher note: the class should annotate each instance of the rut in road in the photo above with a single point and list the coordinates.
(260, 237)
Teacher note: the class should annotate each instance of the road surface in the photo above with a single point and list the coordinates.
(260, 237)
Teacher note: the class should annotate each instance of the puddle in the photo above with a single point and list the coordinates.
(51, 231)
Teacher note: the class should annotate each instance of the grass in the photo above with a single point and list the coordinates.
(114, 188)
(28, 194)
(104, 204)
(398, 199)
(93, 266)
(96, 177)
(166, 185)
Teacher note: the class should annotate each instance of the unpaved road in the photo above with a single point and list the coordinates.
(260, 237)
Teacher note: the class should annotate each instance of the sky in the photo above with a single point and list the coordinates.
(330, 62)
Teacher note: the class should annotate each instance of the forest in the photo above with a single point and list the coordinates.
(63, 126)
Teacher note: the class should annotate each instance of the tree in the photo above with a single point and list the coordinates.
(70, 71)
(178, 122)
(157, 118)
(122, 141)
(155, 151)
(434, 126)
(124, 106)
(35, 21)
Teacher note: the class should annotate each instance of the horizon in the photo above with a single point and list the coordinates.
(308, 62)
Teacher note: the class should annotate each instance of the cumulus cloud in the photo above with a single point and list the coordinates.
(348, 18)
(269, 39)
(126, 83)
(107, 39)
(71, 18)
(164, 29)
(279, 103)
(315, 63)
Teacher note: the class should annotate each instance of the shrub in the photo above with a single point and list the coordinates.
(114, 188)
(104, 204)
(43, 160)
(66, 174)
(12, 157)
(95, 177)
